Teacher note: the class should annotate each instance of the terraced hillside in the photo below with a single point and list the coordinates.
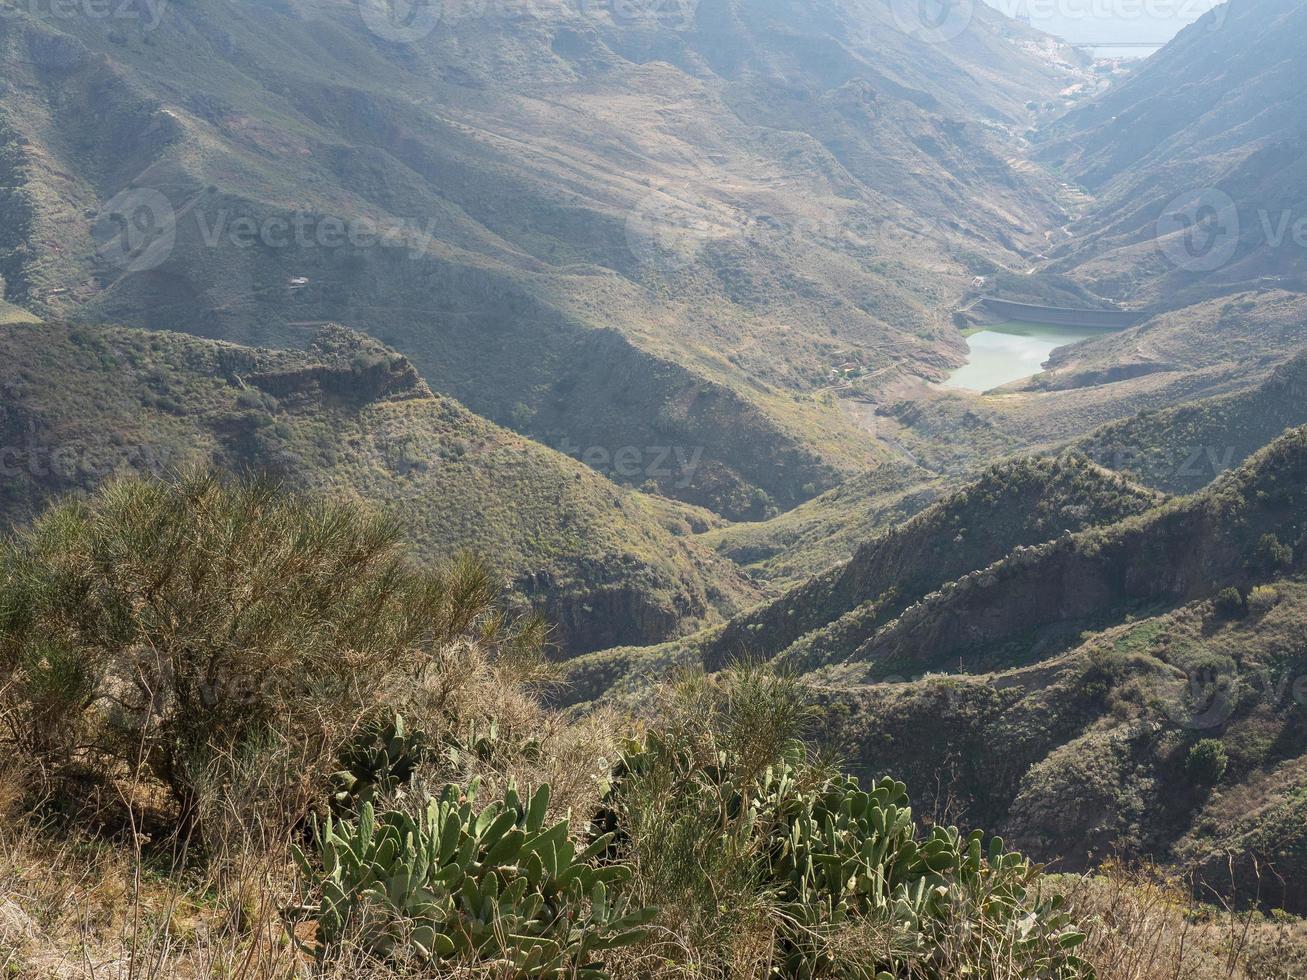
(14, 314)
(352, 419)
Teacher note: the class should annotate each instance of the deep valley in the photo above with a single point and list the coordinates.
(708, 353)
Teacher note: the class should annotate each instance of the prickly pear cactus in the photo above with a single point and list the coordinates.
(831, 852)
(451, 882)
(379, 761)
(838, 852)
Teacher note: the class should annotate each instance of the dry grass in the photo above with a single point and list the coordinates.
(76, 905)
(100, 878)
(81, 910)
(94, 895)
(1145, 925)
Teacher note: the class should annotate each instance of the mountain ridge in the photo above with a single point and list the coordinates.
(353, 419)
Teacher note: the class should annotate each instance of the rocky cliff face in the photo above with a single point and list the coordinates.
(600, 607)
(354, 370)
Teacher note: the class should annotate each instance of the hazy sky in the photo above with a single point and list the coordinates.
(1110, 20)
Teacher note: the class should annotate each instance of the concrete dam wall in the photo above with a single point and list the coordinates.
(1062, 317)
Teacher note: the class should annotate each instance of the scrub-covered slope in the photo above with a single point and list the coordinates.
(1247, 526)
(351, 418)
(1014, 504)
(1196, 161)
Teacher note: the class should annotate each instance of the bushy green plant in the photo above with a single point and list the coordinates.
(838, 853)
(1206, 762)
(1263, 599)
(1230, 604)
(1271, 555)
(726, 816)
(157, 627)
(452, 883)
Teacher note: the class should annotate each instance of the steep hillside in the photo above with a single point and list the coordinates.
(792, 547)
(1182, 449)
(1011, 505)
(1196, 162)
(603, 232)
(353, 419)
(1014, 504)
(211, 636)
(940, 436)
(1114, 396)
(1244, 334)
(1131, 691)
(1100, 752)
(1247, 527)
(1136, 778)
(15, 314)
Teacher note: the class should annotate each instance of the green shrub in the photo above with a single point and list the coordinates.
(156, 628)
(1263, 599)
(1206, 762)
(452, 883)
(837, 854)
(825, 856)
(1271, 555)
(1230, 604)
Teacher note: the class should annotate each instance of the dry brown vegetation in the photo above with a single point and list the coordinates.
(82, 907)
(151, 843)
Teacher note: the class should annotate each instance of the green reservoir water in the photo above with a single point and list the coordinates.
(1009, 352)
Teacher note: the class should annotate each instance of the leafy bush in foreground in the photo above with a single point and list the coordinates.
(157, 628)
(452, 883)
(837, 853)
(847, 881)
